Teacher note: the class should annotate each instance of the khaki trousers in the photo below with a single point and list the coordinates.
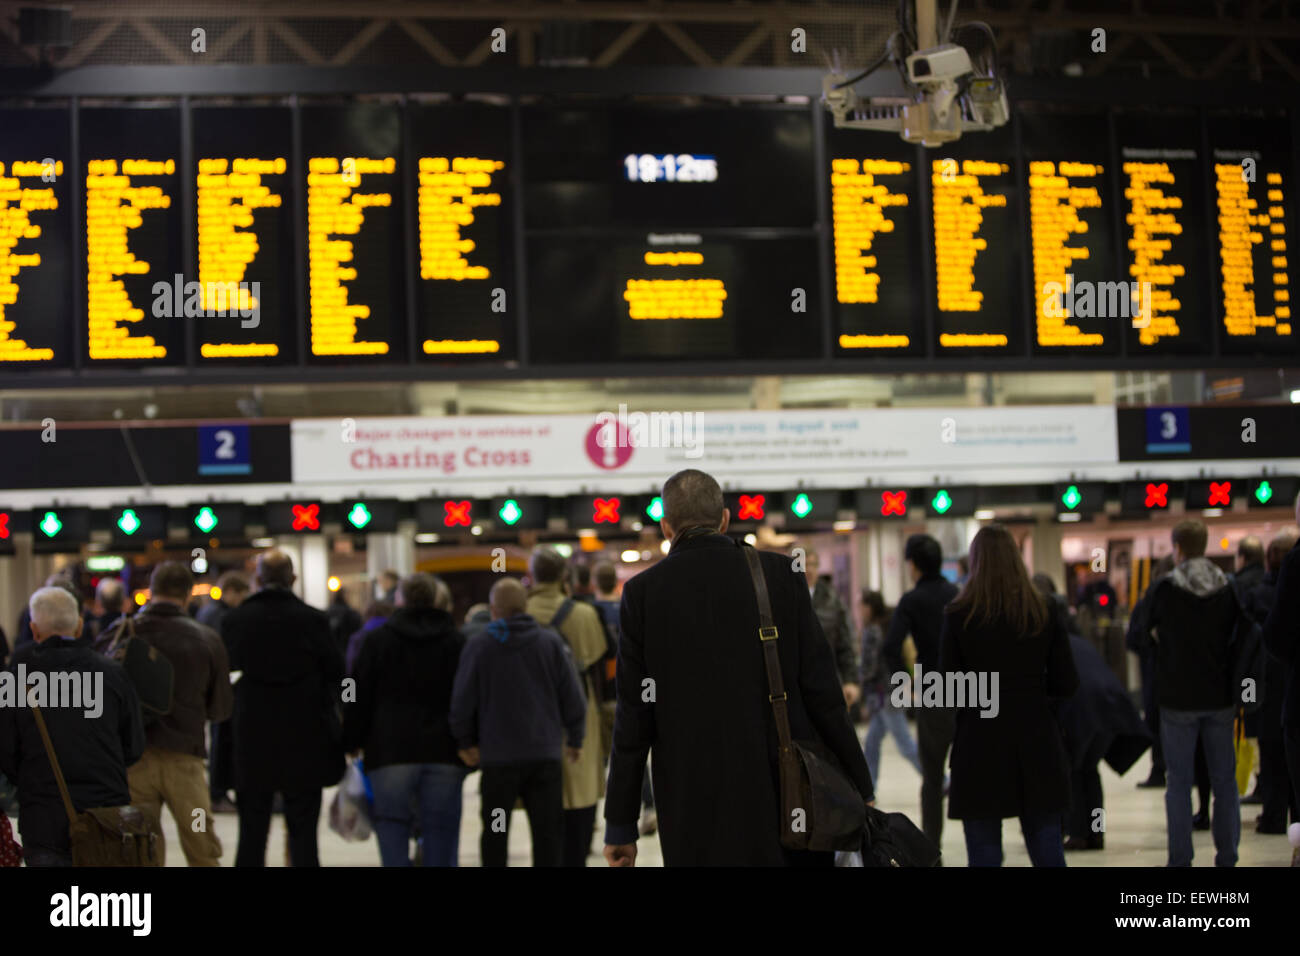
(179, 781)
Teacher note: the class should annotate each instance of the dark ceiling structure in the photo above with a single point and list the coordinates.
(1232, 40)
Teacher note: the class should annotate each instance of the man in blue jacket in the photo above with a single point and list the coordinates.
(517, 711)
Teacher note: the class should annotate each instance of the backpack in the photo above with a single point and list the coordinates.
(601, 671)
(149, 671)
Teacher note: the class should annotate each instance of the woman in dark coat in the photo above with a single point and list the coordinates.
(1012, 764)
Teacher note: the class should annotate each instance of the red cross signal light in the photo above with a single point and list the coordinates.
(893, 503)
(751, 508)
(605, 511)
(306, 517)
(457, 513)
(4, 525)
(1157, 495)
(1221, 493)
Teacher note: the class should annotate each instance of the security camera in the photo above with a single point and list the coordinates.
(947, 62)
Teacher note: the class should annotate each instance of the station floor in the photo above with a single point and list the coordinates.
(1135, 822)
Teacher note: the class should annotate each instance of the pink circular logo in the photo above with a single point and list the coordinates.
(613, 435)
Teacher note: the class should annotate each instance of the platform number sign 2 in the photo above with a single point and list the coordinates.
(224, 450)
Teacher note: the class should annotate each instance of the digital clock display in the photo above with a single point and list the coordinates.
(679, 168)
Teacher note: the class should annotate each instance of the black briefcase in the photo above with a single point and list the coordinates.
(891, 839)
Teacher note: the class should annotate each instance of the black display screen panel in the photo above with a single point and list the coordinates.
(1162, 174)
(1079, 300)
(35, 239)
(244, 216)
(975, 199)
(135, 306)
(625, 299)
(464, 203)
(875, 218)
(356, 248)
(668, 168)
(1252, 172)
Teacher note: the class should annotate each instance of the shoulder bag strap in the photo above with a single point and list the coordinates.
(54, 760)
(767, 635)
(561, 613)
(126, 624)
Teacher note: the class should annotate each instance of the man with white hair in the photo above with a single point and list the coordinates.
(95, 738)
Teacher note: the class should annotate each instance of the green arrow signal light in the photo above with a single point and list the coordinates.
(801, 506)
(941, 502)
(1264, 492)
(359, 516)
(51, 524)
(1071, 498)
(205, 520)
(510, 511)
(655, 510)
(129, 522)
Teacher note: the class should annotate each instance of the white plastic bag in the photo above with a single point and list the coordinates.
(350, 810)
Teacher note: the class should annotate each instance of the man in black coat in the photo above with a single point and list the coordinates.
(1282, 640)
(94, 740)
(920, 614)
(1274, 784)
(286, 723)
(692, 687)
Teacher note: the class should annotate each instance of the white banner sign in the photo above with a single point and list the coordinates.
(633, 450)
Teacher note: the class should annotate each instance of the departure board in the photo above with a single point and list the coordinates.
(356, 263)
(672, 296)
(1164, 189)
(245, 243)
(1076, 292)
(135, 284)
(975, 216)
(1254, 203)
(668, 168)
(35, 239)
(466, 258)
(876, 233)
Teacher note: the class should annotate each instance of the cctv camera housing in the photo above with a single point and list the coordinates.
(939, 64)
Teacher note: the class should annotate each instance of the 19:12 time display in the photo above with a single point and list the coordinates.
(669, 168)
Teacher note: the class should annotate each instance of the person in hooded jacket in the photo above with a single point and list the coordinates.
(517, 711)
(1192, 619)
(400, 720)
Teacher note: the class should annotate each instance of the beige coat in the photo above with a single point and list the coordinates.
(584, 781)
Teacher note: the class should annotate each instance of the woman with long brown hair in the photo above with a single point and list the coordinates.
(1009, 760)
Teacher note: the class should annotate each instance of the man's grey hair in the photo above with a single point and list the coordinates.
(110, 593)
(55, 612)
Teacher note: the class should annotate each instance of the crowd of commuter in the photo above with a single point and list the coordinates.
(567, 687)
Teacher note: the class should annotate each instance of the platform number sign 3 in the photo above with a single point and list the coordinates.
(224, 450)
(1168, 431)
